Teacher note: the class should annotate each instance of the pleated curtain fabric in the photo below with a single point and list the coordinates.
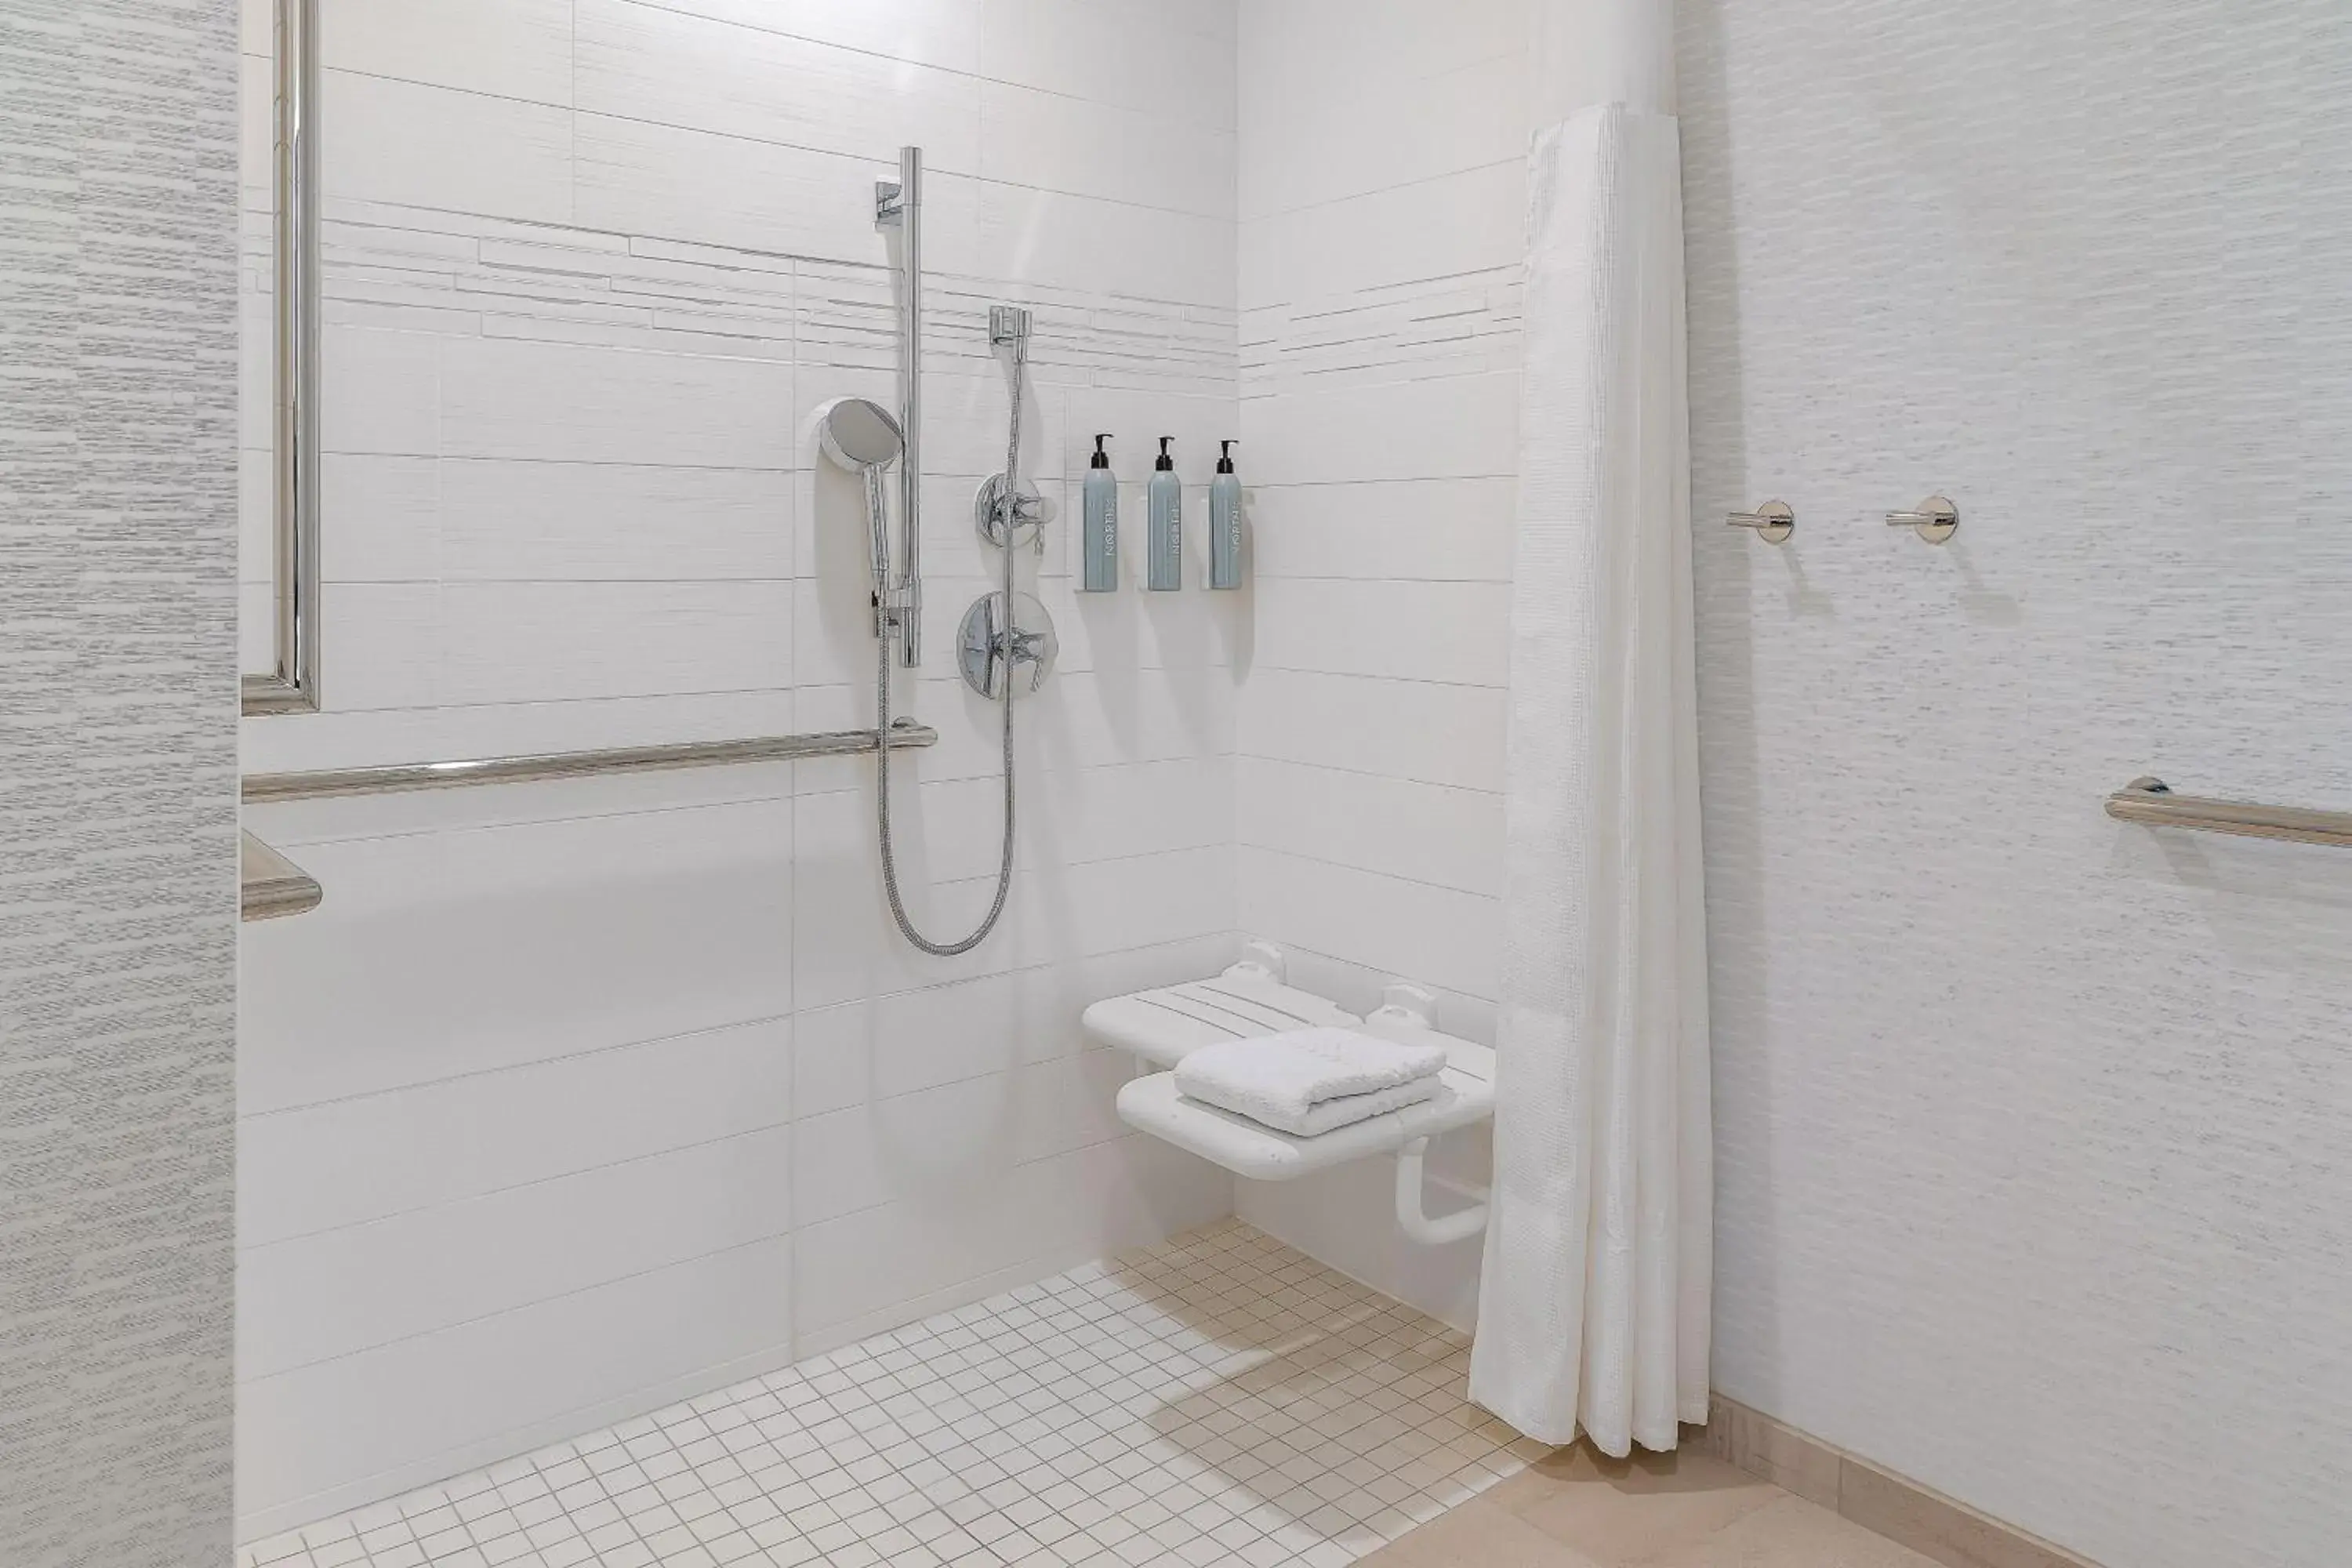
(1594, 1300)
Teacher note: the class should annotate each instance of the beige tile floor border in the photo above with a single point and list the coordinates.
(1745, 1491)
(1897, 1507)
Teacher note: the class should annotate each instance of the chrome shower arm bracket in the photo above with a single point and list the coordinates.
(1008, 326)
(889, 204)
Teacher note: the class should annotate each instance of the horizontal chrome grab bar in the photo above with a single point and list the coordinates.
(2150, 801)
(265, 788)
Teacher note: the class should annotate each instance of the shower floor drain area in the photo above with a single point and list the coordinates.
(1218, 1398)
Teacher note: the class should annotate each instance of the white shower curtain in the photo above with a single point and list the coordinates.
(1593, 1305)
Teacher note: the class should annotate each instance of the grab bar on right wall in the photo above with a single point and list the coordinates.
(2150, 801)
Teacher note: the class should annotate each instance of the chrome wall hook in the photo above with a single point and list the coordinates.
(1773, 522)
(1934, 520)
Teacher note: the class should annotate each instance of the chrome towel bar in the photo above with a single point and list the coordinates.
(261, 789)
(2150, 801)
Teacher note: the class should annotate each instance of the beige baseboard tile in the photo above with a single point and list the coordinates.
(1878, 1500)
(1766, 1449)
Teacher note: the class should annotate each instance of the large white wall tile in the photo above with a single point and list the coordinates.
(505, 48)
(560, 402)
(1165, 59)
(849, 1271)
(663, 66)
(500, 1386)
(520, 520)
(933, 1143)
(1437, 936)
(460, 952)
(525, 642)
(347, 1161)
(1467, 222)
(333, 1293)
(411, 645)
(380, 390)
(1439, 834)
(1436, 529)
(1454, 633)
(944, 32)
(1400, 729)
(437, 147)
(1441, 427)
(388, 512)
(1377, 48)
(674, 183)
(1036, 237)
(1120, 153)
(900, 1044)
(1324, 138)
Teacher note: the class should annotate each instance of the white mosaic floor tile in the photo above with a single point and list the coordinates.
(1217, 1399)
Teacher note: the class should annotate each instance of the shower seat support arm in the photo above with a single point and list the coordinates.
(1415, 1222)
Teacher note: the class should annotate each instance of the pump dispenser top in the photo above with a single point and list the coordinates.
(1163, 553)
(1225, 521)
(1098, 529)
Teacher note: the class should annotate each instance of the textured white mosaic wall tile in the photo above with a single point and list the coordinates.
(118, 778)
(2030, 1124)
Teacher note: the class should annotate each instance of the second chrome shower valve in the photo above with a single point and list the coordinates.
(1030, 508)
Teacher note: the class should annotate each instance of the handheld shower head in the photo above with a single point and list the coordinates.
(859, 434)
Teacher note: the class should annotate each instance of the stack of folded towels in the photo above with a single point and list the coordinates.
(1310, 1081)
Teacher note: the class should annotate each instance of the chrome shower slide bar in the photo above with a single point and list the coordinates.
(262, 789)
(898, 203)
(2152, 802)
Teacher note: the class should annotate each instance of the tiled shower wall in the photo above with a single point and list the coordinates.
(574, 1098)
(1382, 179)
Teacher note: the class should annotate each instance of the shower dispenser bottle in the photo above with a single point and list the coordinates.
(1099, 529)
(1164, 539)
(1225, 521)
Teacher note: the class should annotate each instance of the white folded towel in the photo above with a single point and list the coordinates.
(1309, 1081)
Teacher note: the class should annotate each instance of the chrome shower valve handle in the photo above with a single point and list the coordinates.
(990, 644)
(1031, 511)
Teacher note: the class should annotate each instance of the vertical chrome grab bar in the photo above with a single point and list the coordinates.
(292, 686)
(902, 204)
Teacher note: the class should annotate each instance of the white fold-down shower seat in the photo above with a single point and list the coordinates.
(1163, 1026)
